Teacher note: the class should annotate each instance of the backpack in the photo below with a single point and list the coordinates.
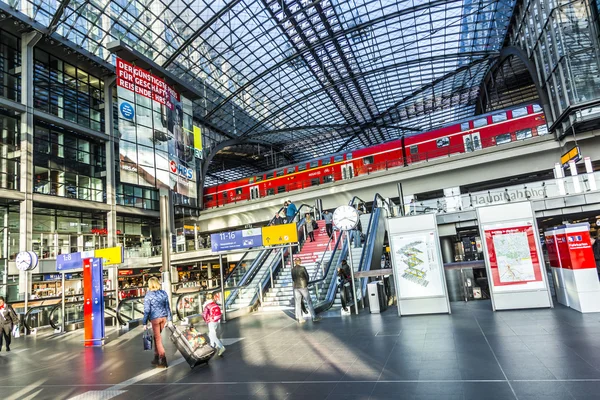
(212, 312)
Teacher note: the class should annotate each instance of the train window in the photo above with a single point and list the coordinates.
(281, 189)
(301, 167)
(542, 130)
(251, 180)
(414, 149)
(271, 175)
(338, 158)
(209, 198)
(464, 126)
(524, 134)
(519, 112)
(290, 170)
(314, 164)
(238, 191)
(315, 182)
(279, 173)
(224, 195)
(258, 179)
(478, 123)
(368, 160)
(504, 138)
(349, 156)
(537, 108)
(443, 142)
(270, 192)
(499, 117)
(327, 178)
(326, 161)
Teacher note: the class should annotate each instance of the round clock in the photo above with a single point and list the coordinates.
(26, 260)
(345, 218)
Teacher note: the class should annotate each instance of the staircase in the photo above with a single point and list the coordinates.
(279, 296)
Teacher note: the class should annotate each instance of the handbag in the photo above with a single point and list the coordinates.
(147, 339)
(315, 225)
(16, 332)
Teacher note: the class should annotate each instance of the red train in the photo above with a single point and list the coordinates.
(475, 134)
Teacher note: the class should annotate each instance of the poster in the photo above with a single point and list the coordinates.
(156, 138)
(417, 265)
(513, 256)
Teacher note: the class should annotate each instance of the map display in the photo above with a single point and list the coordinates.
(513, 256)
(416, 263)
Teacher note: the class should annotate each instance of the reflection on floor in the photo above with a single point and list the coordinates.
(471, 354)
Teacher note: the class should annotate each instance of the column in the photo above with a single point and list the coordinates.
(209, 271)
(111, 182)
(28, 41)
(165, 239)
(447, 249)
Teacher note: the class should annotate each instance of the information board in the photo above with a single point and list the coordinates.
(65, 262)
(513, 257)
(93, 305)
(415, 257)
(234, 240)
(110, 255)
(279, 234)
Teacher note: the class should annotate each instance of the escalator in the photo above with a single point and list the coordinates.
(74, 314)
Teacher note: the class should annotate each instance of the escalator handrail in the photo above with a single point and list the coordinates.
(27, 314)
(351, 203)
(127, 300)
(72, 303)
(320, 263)
(197, 292)
(337, 243)
(262, 257)
(368, 234)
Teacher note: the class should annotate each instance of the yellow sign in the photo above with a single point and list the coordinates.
(279, 234)
(110, 255)
(571, 155)
(197, 137)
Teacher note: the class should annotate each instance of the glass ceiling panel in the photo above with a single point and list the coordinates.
(297, 67)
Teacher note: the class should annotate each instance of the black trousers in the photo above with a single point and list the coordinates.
(329, 229)
(5, 333)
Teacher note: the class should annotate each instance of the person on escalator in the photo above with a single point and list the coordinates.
(310, 227)
(8, 320)
(290, 211)
(300, 284)
(278, 219)
(157, 310)
(345, 277)
(328, 217)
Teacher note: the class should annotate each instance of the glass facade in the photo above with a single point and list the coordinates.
(9, 143)
(68, 165)
(68, 92)
(562, 40)
(10, 61)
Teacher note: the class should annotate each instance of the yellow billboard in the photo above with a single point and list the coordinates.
(279, 234)
(110, 255)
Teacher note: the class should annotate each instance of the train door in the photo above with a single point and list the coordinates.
(472, 142)
(254, 192)
(347, 171)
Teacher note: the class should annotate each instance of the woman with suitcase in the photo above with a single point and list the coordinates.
(157, 310)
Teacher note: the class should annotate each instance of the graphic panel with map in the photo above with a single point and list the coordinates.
(513, 255)
(417, 265)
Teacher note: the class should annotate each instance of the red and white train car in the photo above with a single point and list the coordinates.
(481, 132)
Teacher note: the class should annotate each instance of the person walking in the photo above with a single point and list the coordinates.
(278, 220)
(308, 222)
(290, 211)
(157, 310)
(596, 251)
(212, 317)
(300, 284)
(328, 217)
(8, 320)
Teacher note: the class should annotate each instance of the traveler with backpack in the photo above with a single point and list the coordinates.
(212, 316)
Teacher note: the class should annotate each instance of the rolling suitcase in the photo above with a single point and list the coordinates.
(196, 351)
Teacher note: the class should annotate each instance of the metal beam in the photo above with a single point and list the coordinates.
(200, 31)
(323, 41)
(57, 16)
(443, 57)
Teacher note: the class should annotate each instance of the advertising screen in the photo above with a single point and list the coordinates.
(156, 146)
(418, 267)
(513, 256)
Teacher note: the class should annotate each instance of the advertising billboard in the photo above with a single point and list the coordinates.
(156, 146)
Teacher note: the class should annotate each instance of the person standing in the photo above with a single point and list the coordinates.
(290, 211)
(212, 317)
(8, 320)
(308, 222)
(596, 251)
(300, 284)
(157, 310)
(328, 217)
(278, 220)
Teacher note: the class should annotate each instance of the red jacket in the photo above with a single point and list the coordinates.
(212, 312)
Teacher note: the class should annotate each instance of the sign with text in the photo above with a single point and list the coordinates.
(65, 262)
(110, 255)
(93, 302)
(242, 239)
(279, 234)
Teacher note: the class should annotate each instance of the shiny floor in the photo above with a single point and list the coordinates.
(471, 354)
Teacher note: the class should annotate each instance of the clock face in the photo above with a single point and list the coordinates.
(345, 218)
(23, 260)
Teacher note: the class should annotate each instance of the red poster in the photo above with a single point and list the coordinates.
(552, 250)
(513, 255)
(563, 250)
(580, 249)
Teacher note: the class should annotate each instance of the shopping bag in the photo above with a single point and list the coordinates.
(147, 339)
(16, 332)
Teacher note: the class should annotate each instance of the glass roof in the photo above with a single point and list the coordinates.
(311, 77)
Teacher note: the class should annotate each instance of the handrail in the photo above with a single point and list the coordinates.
(128, 300)
(197, 292)
(28, 313)
(320, 263)
(337, 243)
(70, 304)
(351, 203)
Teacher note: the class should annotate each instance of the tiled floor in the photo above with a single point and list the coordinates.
(471, 354)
